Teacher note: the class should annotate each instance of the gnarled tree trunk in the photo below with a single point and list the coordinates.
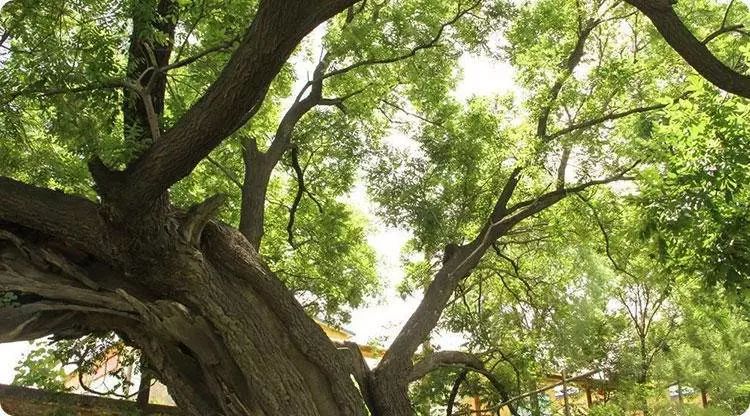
(215, 324)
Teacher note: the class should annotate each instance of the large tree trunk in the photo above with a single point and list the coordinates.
(217, 327)
(214, 323)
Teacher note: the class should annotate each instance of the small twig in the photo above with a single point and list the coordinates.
(187, 61)
(229, 174)
(733, 28)
(430, 44)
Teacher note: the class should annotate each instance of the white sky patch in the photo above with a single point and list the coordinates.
(484, 76)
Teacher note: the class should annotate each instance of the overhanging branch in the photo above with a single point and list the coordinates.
(693, 51)
(65, 217)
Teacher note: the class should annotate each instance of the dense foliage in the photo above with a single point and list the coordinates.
(640, 271)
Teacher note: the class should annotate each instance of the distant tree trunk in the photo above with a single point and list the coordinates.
(534, 400)
(565, 393)
(643, 377)
(704, 397)
(144, 386)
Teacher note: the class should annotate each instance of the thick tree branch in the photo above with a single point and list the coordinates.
(259, 165)
(67, 218)
(277, 29)
(501, 206)
(297, 198)
(693, 51)
(444, 359)
(452, 359)
(562, 167)
(454, 392)
(530, 207)
(360, 370)
(398, 357)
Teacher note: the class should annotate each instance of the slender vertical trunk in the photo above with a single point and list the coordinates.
(144, 386)
(704, 397)
(643, 377)
(534, 400)
(565, 393)
(254, 189)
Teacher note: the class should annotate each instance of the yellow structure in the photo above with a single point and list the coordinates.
(582, 393)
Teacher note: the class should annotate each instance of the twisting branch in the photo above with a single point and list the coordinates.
(444, 359)
(724, 28)
(607, 117)
(61, 298)
(398, 358)
(605, 234)
(301, 189)
(259, 165)
(455, 359)
(738, 28)
(454, 392)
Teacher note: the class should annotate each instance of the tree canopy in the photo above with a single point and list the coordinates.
(176, 181)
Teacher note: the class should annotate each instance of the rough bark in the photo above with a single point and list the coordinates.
(254, 189)
(220, 330)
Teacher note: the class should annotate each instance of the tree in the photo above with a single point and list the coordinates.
(126, 105)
